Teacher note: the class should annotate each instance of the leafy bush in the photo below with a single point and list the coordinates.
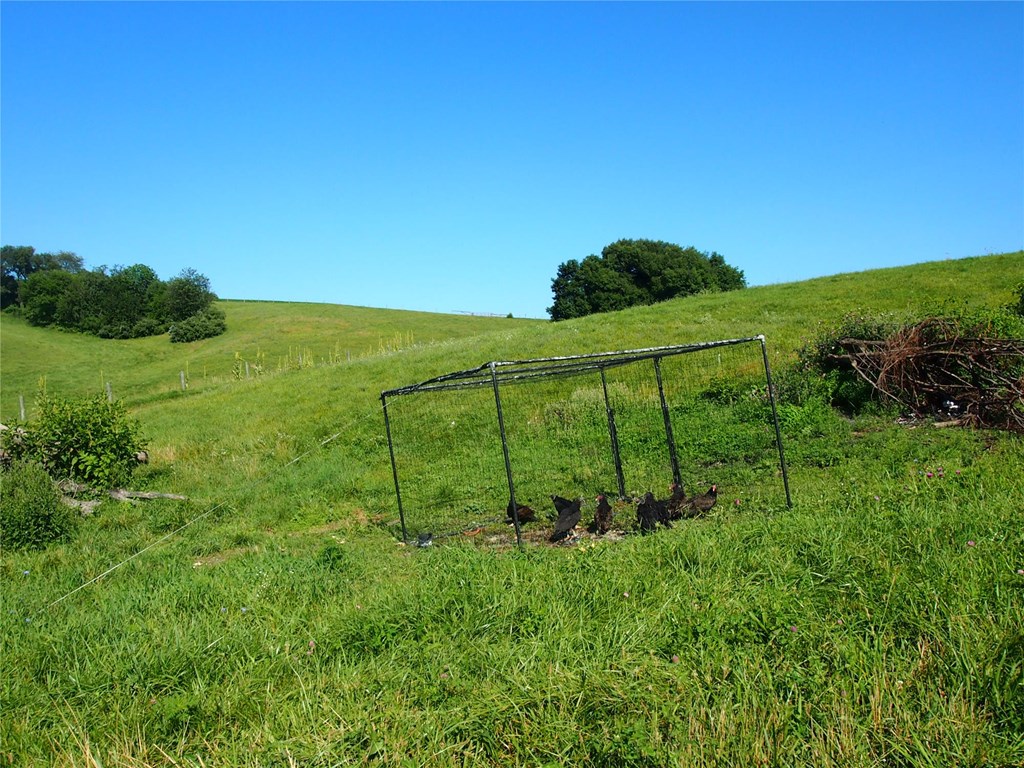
(1005, 322)
(1017, 305)
(147, 326)
(88, 440)
(822, 359)
(32, 514)
(115, 331)
(202, 325)
(797, 385)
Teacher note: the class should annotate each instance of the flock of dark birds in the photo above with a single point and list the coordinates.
(650, 512)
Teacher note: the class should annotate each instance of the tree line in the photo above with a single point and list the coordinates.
(633, 272)
(55, 289)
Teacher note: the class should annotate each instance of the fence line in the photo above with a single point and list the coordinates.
(249, 370)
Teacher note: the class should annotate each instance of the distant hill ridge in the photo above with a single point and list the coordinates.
(282, 336)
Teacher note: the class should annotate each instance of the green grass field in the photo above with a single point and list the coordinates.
(275, 618)
(274, 335)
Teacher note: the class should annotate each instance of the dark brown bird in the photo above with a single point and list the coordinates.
(650, 512)
(602, 516)
(676, 501)
(699, 505)
(560, 503)
(526, 514)
(568, 518)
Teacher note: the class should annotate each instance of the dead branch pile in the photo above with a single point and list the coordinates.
(938, 368)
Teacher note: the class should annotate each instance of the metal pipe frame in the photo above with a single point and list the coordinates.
(508, 461)
(495, 372)
(613, 436)
(668, 423)
(775, 420)
(394, 466)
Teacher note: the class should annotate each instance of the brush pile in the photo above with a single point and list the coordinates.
(942, 368)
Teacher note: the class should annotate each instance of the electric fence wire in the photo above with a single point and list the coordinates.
(265, 476)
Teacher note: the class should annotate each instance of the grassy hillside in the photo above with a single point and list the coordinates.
(274, 619)
(278, 336)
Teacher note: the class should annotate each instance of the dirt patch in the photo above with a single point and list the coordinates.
(219, 557)
(500, 535)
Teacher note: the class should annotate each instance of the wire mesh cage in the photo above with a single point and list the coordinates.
(469, 447)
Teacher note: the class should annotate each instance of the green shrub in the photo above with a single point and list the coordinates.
(836, 380)
(148, 326)
(1005, 322)
(88, 440)
(115, 330)
(202, 325)
(32, 514)
(797, 385)
(1017, 305)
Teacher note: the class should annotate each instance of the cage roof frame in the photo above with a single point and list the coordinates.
(565, 366)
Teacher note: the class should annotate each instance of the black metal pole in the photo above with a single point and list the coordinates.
(614, 437)
(668, 423)
(775, 419)
(508, 461)
(394, 466)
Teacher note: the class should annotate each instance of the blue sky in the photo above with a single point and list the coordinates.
(449, 156)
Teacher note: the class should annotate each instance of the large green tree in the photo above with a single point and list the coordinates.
(82, 305)
(40, 294)
(18, 262)
(122, 303)
(632, 272)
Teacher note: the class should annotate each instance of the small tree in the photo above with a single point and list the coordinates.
(185, 295)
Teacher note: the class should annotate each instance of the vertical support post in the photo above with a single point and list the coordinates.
(110, 393)
(394, 466)
(668, 423)
(775, 419)
(508, 461)
(614, 437)
(21, 406)
(184, 382)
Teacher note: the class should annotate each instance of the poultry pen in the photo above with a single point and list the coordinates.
(470, 448)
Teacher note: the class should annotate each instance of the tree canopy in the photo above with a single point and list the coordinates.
(632, 272)
(120, 303)
(17, 262)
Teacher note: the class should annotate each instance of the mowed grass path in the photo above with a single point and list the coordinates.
(878, 622)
